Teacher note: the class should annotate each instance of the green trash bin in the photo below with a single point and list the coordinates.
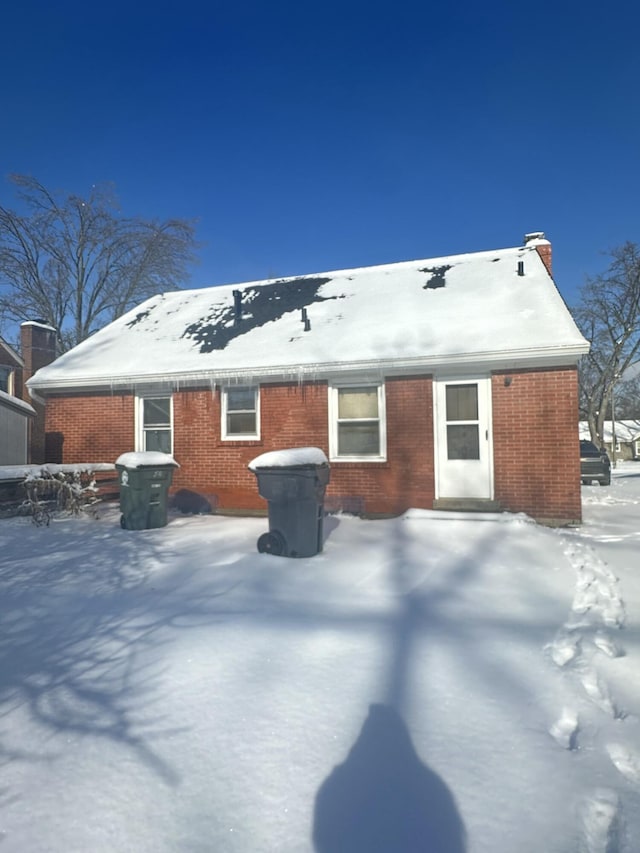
(293, 481)
(144, 480)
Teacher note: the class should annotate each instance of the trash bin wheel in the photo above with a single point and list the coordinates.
(272, 542)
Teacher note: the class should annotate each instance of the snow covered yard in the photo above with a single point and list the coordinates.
(435, 682)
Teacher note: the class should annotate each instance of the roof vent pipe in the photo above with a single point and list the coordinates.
(237, 306)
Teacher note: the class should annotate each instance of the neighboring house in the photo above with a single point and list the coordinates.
(22, 431)
(15, 414)
(11, 370)
(438, 383)
(627, 441)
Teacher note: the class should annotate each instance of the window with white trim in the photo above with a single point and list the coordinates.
(155, 424)
(6, 379)
(357, 428)
(240, 413)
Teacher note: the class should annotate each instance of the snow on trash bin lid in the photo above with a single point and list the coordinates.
(287, 458)
(145, 459)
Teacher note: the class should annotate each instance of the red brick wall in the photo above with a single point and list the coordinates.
(295, 415)
(89, 428)
(535, 443)
(535, 429)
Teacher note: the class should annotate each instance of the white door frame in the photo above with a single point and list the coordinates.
(464, 479)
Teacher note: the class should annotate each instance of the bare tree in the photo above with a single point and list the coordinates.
(78, 264)
(609, 316)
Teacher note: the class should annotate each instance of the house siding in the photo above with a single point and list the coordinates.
(534, 431)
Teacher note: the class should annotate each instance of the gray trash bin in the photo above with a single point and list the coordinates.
(144, 489)
(293, 482)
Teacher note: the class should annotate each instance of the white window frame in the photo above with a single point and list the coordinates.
(237, 436)
(11, 374)
(333, 422)
(139, 412)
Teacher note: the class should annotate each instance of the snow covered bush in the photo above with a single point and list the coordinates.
(49, 492)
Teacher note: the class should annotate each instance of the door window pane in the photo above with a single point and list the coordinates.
(462, 402)
(463, 441)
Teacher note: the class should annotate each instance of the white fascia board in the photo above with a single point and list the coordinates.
(448, 364)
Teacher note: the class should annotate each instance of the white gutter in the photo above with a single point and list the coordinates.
(450, 364)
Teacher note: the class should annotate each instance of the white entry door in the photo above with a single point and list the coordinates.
(464, 458)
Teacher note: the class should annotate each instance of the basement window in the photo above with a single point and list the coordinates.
(240, 413)
(357, 423)
(154, 424)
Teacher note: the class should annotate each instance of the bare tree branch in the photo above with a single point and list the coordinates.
(609, 316)
(78, 263)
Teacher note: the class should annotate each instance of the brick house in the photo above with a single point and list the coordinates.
(427, 384)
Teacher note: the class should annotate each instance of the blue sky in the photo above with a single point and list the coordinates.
(305, 137)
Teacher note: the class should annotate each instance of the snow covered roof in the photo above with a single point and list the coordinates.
(15, 403)
(477, 311)
(626, 430)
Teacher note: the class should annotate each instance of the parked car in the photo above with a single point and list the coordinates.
(594, 464)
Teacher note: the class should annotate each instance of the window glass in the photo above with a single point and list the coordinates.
(157, 411)
(156, 424)
(241, 399)
(357, 428)
(158, 439)
(358, 403)
(5, 374)
(463, 441)
(462, 402)
(358, 439)
(240, 412)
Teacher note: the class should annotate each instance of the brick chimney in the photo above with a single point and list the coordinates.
(537, 239)
(38, 344)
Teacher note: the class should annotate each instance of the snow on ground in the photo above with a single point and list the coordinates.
(436, 682)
